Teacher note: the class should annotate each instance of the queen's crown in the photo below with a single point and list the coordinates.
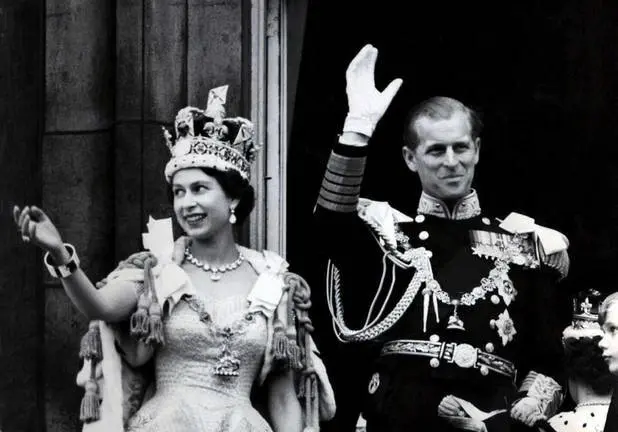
(206, 138)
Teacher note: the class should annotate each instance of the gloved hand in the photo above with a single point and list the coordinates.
(527, 410)
(366, 105)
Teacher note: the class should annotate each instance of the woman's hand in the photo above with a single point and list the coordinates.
(37, 228)
(366, 104)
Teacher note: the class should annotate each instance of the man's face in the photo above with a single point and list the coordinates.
(445, 156)
(609, 342)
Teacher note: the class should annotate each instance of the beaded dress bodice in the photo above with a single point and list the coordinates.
(205, 371)
(198, 333)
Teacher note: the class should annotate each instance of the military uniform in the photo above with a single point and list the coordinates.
(449, 301)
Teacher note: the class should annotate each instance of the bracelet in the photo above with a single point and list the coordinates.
(65, 270)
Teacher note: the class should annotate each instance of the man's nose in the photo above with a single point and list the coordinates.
(450, 158)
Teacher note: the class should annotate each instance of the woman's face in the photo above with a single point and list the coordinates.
(201, 206)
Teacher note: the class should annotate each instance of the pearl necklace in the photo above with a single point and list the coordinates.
(216, 271)
(584, 404)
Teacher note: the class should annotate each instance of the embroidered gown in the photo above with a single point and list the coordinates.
(190, 394)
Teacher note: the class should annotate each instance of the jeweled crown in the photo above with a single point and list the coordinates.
(206, 138)
(585, 315)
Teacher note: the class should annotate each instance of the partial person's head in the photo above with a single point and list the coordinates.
(584, 363)
(209, 170)
(441, 144)
(608, 319)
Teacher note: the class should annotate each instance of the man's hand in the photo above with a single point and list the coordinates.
(527, 411)
(449, 407)
(366, 104)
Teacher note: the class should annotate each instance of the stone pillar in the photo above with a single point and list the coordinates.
(78, 179)
(21, 298)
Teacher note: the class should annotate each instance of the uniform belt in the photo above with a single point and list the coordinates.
(462, 355)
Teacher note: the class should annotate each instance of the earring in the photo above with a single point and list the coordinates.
(232, 215)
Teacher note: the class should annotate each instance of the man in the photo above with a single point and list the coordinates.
(608, 318)
(445, 321)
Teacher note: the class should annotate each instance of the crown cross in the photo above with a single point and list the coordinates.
(586, 306)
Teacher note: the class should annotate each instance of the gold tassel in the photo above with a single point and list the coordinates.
(300, 392)
(311, 415)
(90, 346)
(280, 342)
(155, 328)
(90, 407)
(294, 355)
(140, 322)
(156, 325)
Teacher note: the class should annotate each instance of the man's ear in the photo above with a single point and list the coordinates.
(477, 147)
(409, 157)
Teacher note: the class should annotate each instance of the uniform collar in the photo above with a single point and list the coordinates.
(466, 208)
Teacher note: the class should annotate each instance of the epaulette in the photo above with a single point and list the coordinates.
(382, 219)
(551, 245)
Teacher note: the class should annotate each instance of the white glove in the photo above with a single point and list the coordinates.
(366, 105)
(527, 411)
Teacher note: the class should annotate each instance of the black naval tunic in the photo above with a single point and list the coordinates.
(503, 335)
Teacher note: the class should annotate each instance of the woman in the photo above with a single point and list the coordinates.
(214, 317)
(589, 380)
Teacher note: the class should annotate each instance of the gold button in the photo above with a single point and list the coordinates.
(423, 235)
(420, 218)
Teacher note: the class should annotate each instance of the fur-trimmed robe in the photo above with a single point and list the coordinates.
(116, 375)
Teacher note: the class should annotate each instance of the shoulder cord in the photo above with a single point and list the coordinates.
(420, 259)
(333, 283)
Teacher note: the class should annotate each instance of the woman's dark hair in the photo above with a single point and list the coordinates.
(584, 362)
(235, 187)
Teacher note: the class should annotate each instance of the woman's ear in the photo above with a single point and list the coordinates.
(234, 203)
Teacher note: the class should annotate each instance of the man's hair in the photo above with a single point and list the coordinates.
(605, 305)
(438, 108)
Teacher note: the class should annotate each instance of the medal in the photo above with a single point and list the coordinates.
(454, 322)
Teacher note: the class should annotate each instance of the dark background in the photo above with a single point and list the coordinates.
(544, 77)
